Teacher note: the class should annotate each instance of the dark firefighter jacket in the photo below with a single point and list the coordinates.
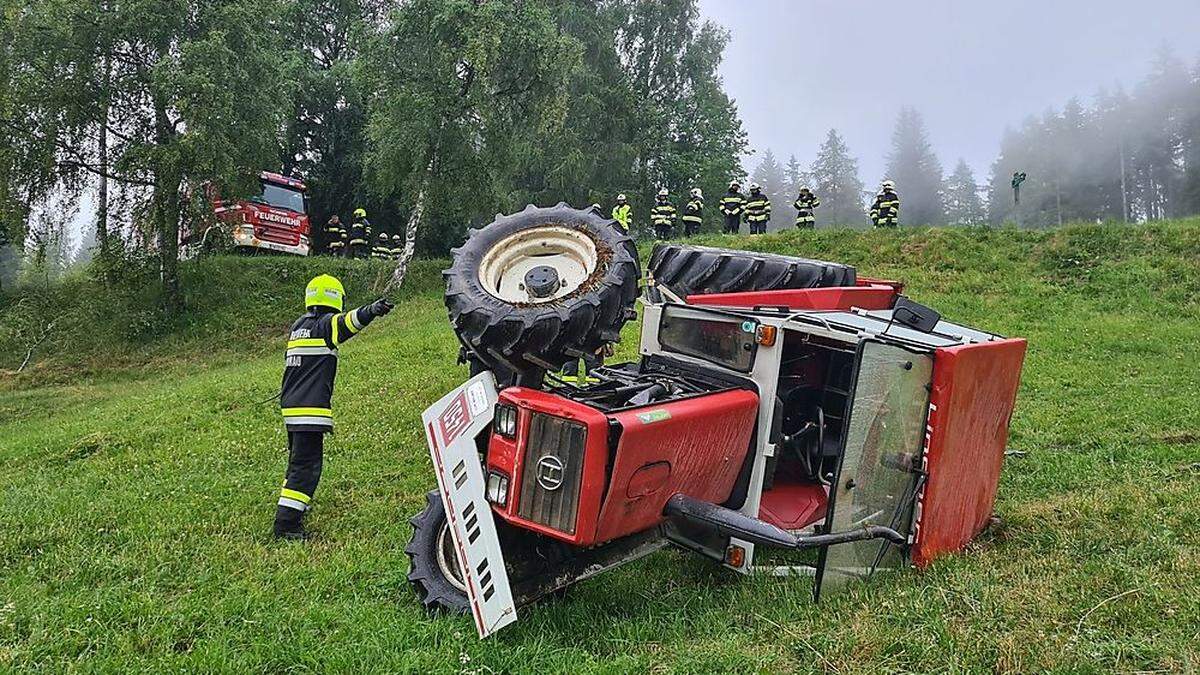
(663, 214)
(693, 213)
(886, 208)
(732, 204)
(383, 247)
(335, 234)
(804, 204)
(360, 232)
(758, 208)
(310, 366)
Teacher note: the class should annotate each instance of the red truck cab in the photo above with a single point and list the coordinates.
(276, 219)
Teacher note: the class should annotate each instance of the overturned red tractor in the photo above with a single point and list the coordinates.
(779, 402)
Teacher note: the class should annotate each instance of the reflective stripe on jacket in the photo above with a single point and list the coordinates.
(732, 204)
(758, 209)
(310, 367)
(663, 213)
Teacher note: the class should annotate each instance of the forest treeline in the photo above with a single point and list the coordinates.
(467, 107)
(1128, 156)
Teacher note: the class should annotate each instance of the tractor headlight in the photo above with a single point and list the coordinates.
(506, 421)
(497, 488)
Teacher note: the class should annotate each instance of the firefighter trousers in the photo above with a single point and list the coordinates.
(732, 223)
(306, 450)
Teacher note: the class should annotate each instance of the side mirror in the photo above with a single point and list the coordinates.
(915, 315)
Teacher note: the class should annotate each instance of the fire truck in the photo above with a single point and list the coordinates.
(274, 219)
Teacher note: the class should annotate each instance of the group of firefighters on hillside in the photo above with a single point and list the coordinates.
(355, 240)
(753, 209)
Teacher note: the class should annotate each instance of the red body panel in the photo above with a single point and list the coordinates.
(695, 446)
(876, 296)
(270, 223)
(505, 455)
(974, 390)
(794, 506)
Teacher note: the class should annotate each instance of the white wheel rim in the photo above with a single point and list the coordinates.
(570, 252)
(448, 561)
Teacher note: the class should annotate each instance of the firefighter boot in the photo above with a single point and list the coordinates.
(289, 524)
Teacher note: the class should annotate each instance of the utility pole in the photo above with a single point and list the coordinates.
(1124, 193)
(1017, 179)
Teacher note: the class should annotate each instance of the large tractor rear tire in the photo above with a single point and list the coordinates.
(536, 289)
(695, 270)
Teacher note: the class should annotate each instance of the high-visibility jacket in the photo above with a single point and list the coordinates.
(732, 204)
(693, 212)
(310, 366)
(885, 210)
(397, 247)
(805, 204)
(623, 213)
(663, 214)
(383, 247)
(758, 208)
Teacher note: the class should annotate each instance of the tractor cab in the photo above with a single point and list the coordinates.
(864, 388)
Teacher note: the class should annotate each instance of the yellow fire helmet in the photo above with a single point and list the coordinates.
(360, 213)
(324, 290)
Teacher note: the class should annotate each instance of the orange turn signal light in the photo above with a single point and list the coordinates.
(735, 556)
(765, 335)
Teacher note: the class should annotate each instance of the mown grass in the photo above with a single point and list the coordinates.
(135, 501)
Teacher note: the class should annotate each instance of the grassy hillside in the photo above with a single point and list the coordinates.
(136, 492)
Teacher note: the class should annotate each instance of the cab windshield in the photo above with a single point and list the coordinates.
(282, 197)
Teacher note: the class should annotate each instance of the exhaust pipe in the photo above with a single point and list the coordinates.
(733, 523)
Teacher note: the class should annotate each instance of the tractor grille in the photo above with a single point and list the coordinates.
(551, 472)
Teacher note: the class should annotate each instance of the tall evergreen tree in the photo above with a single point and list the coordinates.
(836, 181)
(795, 177)
(961, 194)
(916, 171)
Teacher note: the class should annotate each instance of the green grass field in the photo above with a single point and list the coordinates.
(138, 477)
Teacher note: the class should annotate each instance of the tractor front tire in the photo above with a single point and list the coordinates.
(538, 288)
(434, 569)
(697, 270)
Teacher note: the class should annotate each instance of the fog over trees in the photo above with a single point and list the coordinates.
(118, 114)
(1124, 156)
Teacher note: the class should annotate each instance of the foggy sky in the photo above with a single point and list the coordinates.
(800, 67)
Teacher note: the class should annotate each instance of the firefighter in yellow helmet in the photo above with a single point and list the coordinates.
(306, 396)
(359, 244)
